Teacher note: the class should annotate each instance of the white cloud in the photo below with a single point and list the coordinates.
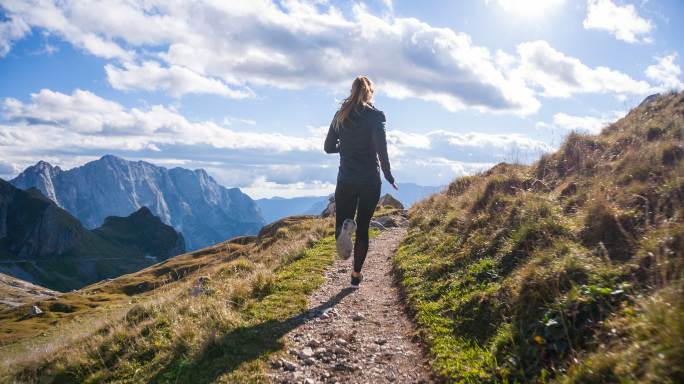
(478, 147)
(61, 127)
(541, 125)
(389, 4)
(588, 124)
(175, 80)
(222, 47)
(559, 75)
(8, 169)
(11, 30)
(623, 22)
(227, 48)
(666, 73)
(55, 120)
(261, 188)
(585, 124)
(75, 23)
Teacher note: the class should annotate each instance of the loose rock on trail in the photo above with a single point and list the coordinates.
(355, 336)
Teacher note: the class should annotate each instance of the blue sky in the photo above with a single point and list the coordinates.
(246, 89)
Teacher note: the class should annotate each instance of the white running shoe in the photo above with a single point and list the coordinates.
(345, 246)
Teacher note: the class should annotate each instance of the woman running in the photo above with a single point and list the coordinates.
(357, 133)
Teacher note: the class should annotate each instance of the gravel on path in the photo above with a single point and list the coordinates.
(355, 335)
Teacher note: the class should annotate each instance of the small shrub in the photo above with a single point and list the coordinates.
(603, 228)
(459, 186)
(653, 133)
(138, 314)
(497, 185)
(263, 283)
(569, 190)
(579, 154)
(239, 292)
(58, 306)
(239, 266)
(672, 154)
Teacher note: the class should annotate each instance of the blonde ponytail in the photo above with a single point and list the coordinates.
(361, 95)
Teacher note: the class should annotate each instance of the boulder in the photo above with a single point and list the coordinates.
(384, 222)
(35, 311)
(389, 200)
(200, 287)
(329, 211)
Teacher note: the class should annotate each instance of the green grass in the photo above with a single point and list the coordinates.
(568, 270)
(225, 335)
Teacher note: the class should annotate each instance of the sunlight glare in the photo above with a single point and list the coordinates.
(529, 8)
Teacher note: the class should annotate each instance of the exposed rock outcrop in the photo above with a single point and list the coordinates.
(329, 211)
(35, 311)
(389, 200)
(43, 244)
(190, 201)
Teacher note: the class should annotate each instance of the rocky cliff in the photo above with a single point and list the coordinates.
(189, 200)
(43, 244)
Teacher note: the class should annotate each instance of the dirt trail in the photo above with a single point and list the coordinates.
(355, 336)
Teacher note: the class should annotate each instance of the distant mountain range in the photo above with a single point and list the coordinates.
(43, 244)
(276, 208)
(410, 193)
(191, 201)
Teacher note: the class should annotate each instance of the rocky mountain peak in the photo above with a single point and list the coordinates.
(143, 212)
(40, 176)
(111, 158)
(189, 200)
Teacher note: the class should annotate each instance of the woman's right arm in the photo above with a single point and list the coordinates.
(332, 140)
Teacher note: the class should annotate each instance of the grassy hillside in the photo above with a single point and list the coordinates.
(213, 315)
(569, 270)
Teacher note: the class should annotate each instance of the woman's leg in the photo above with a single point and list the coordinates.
(369, 196)
(346, 197)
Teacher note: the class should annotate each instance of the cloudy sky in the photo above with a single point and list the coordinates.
(247, 89)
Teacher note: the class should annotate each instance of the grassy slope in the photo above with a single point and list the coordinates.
(147, 327)
(567, 270)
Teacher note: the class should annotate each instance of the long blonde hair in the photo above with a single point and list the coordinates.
(361, 95)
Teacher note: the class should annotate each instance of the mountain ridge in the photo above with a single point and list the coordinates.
(189, 200)
(43, 244)
(275, 208)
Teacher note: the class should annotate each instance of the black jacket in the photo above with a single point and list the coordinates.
(360, 141)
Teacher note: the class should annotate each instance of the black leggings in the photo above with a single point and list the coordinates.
(361, 199)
